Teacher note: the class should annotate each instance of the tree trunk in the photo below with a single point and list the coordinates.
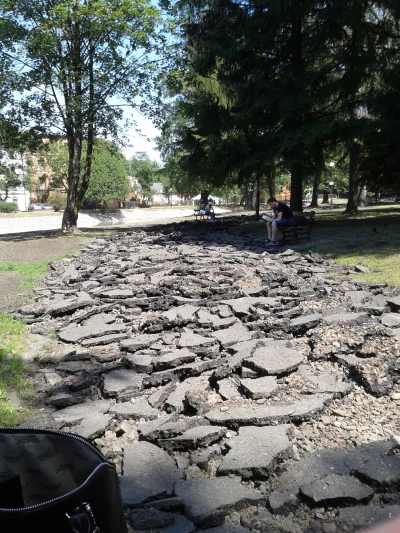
(248, 198)
(316, 182)
(247, 201)
(325, 197)
(78, 183)
(70, 217)
(296, 52)
(6, 195)
(354, 83)
(84, 184)
(319, 158)
(362, 196)
(296, 186)
(354, 153)
(271, 180)
(257, 202)
(204, 197)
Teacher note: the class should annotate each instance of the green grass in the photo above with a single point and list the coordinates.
(12, 332)
(383, 263)
(13, 372)
(370, 238)
(30, 272)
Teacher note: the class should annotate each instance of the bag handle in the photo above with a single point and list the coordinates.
(81, 520)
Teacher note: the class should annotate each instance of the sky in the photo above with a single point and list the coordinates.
(139, 142)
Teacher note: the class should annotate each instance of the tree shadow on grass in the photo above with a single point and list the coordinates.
(370, 232)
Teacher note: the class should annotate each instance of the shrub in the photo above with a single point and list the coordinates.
(58, 201)
(8, 207)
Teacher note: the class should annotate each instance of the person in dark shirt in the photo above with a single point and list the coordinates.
(281, 217)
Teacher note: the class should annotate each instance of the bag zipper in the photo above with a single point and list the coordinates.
(68, 494)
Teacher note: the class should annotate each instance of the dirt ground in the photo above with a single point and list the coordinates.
(9, 289)
(33, 247)
(29, 248)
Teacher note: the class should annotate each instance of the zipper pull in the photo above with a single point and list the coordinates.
(82, 520)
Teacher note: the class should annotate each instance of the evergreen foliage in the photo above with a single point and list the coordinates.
(271, 86)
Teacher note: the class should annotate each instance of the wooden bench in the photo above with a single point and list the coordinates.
(299, 232)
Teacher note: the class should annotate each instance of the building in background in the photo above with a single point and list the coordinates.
(19, 194)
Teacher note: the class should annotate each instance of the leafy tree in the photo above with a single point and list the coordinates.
(14, 144)
(109, 180)
(8, 180)
(58, 200)
(165, 177)
(74, 57)
(146, 172)
(56, 154)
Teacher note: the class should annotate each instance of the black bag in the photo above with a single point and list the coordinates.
(53, 482)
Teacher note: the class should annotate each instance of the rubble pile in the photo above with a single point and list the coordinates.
(233, 389)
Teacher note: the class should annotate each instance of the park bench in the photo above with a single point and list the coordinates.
(302, 231)
(201, 216)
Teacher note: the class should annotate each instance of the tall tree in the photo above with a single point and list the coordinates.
(380, 159)
(258, 87)
(74, 57)
(109, 180)
(146, 172)
(362, 34)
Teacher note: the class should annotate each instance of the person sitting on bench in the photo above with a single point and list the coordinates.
(281, 217)
(209, 211)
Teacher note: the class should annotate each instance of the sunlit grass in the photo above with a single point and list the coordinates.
(30, 272)
(370, 238)
(13, 372)
(385, 265)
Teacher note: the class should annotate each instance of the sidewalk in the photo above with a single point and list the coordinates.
(89, 220)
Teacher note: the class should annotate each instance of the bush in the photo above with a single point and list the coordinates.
(58, 201)
(8, 207)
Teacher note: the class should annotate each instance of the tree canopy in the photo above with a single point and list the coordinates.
(257, 91)
(109, 180)
(71, 59)
(272, 84)
(146, 172)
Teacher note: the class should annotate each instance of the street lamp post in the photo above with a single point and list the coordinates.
(331, 164)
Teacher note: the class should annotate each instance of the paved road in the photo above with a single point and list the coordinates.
(89, 220)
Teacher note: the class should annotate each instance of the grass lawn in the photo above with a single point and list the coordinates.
(16, 386)
(13, 373)
(29, 273)
(371, 238)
